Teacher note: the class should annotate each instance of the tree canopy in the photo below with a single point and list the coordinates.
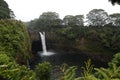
(97, 17)
(5, 11)
(115, 2)
(14, 39)
(115, 19)
(73, 20)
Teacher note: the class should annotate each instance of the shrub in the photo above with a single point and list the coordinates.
(43, 71)
(10, 70)
(14, 40)
(116, 59)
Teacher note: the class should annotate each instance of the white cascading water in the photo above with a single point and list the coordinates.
(45, 53)
(43, 42)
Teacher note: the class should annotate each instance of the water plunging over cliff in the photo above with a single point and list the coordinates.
(43, 42)
(45, 52)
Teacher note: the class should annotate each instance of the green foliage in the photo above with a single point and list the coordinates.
(47, 21)
(43, 71)
(14, 46)
(116, 59)
(115, 19)
(4, 59)
(14, 39)
(88, 68)
(73, 20)
(97, 17)
(111, 73)
(5, 12)
(67, 73)
(10, 70)
(106, 39)
(87, 72)
(110, 38)
(101, 37)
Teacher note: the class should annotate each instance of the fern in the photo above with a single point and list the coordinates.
(87, 69)
(87, 72)
(10, 70)
(102, 73)
(68, 73)
(112, 73)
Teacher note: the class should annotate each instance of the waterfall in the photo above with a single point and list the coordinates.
(45, 53)
(43, 42)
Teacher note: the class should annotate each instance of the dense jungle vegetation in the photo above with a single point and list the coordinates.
(101, 35)
(97, 34)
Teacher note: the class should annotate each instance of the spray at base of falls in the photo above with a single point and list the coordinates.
(45, 52)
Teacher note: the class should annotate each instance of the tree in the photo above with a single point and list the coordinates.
(43, 71)
(73, 20)
(97, 17)
(49, 15)
(115, 19)
(5, 12)
(79, 20)
(31, 24)
(14, 40)
(47, 20)
(73, 26)
(115, 1)
(68, 20)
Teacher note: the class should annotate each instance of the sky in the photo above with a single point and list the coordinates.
(26, 10)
